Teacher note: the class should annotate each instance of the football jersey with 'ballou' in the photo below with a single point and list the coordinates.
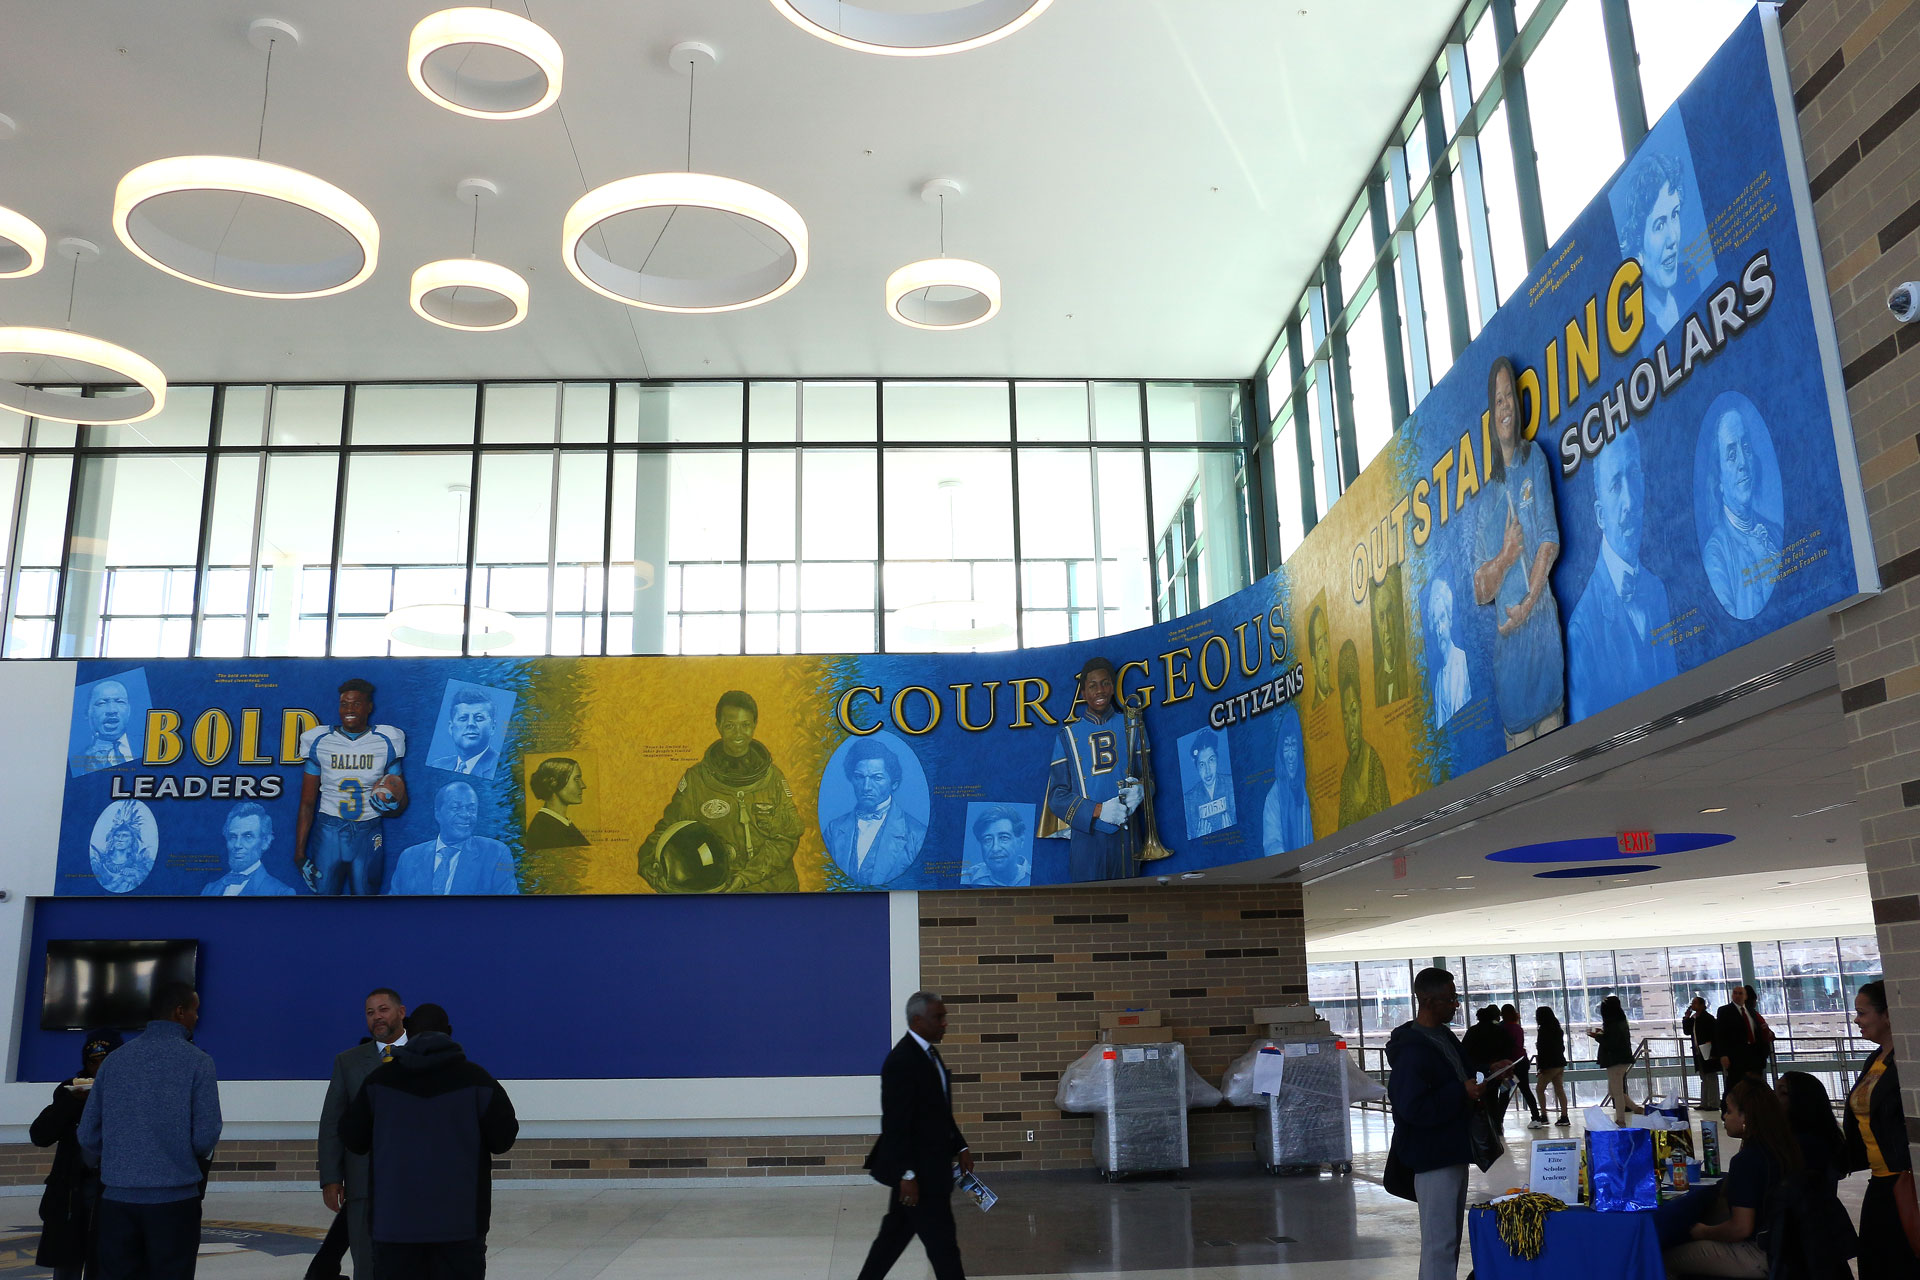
(349, 764)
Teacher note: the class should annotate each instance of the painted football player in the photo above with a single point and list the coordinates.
(352, 781)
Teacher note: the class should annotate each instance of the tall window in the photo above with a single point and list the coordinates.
(594, 517)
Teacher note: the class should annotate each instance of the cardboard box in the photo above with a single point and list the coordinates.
(1138, 1035)
(1318, 1029)
(1131, 1018)
(1286, 1013)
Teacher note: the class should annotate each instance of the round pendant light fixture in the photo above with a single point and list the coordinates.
(23, 245)
(911, 35)
(470, 293)
(84, 359)
(140, 217)
(943, 293)
(658, 291)
(442, 47)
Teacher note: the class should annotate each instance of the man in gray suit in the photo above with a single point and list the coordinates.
(343, 1175)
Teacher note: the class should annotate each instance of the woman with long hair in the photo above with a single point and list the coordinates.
(1735, 1244)
(1876, 1143)
(1615, 1035)
(1550, 1056)
(1510, 1019)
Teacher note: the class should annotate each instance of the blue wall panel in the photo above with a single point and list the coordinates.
(537, 988)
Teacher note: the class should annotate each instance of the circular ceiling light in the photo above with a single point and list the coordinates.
(657, 292)
(442, 64)
(23, 246)
(437, 628)
(77, 348)
(911, 35)
(470, 294)
(134, 222)
(943, 293)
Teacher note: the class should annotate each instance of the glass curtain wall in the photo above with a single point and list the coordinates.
(1524, 112)
(595, 517)
(1806, 987)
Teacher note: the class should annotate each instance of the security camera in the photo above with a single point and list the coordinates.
(1904, 302)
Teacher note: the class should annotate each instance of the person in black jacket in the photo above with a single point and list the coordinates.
(918, 1145)
(1876, 1137)
(1615, 1035)
(1489, 1048)
(1740, 1038)
(1700, 1026)
(431, 1121)
(73, 1189)
(1550, 1056)
(1434, 1094)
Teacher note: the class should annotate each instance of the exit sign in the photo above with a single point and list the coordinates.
(1636, 842)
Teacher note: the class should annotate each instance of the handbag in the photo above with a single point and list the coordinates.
(1483, 1140)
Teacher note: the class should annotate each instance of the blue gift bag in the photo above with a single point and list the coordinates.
(1620, 1168)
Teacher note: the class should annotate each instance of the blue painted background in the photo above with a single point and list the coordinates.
(568, 988)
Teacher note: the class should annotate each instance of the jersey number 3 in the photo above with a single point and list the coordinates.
(352, 798)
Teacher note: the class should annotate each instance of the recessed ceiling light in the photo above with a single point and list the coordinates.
(1463, 877)
(1719, 808)
(1401, 895)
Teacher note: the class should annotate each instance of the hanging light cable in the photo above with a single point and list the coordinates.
(149, 240)
(80, 350)
(943, 293)
(657, 291)
(469, 293)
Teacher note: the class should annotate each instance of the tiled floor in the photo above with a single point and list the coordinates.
(1227, 1224)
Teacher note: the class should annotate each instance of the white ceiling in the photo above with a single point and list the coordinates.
(1795, 868)
(1152, 179)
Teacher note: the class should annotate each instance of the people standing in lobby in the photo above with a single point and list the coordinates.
(1434, 1096)
(1550, 1056)
(150, 1125)
(1615, 1035)
(343, 1174)
(72, 1197)
(429, 1122)
(1489, 1048)
(1536, 1111)
(1698, 1024)
(1876, 1144)
(918, 1146)
(1740, 1037)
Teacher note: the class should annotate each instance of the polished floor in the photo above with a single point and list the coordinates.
(1224, 1224)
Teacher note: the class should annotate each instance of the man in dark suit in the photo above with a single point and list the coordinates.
(343, 1175)
(1740, 1038)
(918, 1146)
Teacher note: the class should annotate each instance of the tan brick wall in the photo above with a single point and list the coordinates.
(1025, 974)
(1855, 66)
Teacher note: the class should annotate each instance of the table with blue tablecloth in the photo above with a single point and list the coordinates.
(1579, 1243)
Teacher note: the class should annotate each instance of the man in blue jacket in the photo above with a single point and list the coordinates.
(151, 1123)
(1433, 1098)
(430, 1122)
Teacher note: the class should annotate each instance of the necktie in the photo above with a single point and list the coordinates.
(443, 868)
(940, 1064)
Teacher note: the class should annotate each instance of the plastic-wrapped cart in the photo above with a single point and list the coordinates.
(1303, 1127)
(1138, 1095)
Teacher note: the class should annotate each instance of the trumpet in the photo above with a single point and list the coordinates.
(1140, 766)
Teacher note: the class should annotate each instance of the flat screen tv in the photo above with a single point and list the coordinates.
(110, 983)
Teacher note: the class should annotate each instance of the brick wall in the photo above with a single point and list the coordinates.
(1025, 974)
(1855, 66)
